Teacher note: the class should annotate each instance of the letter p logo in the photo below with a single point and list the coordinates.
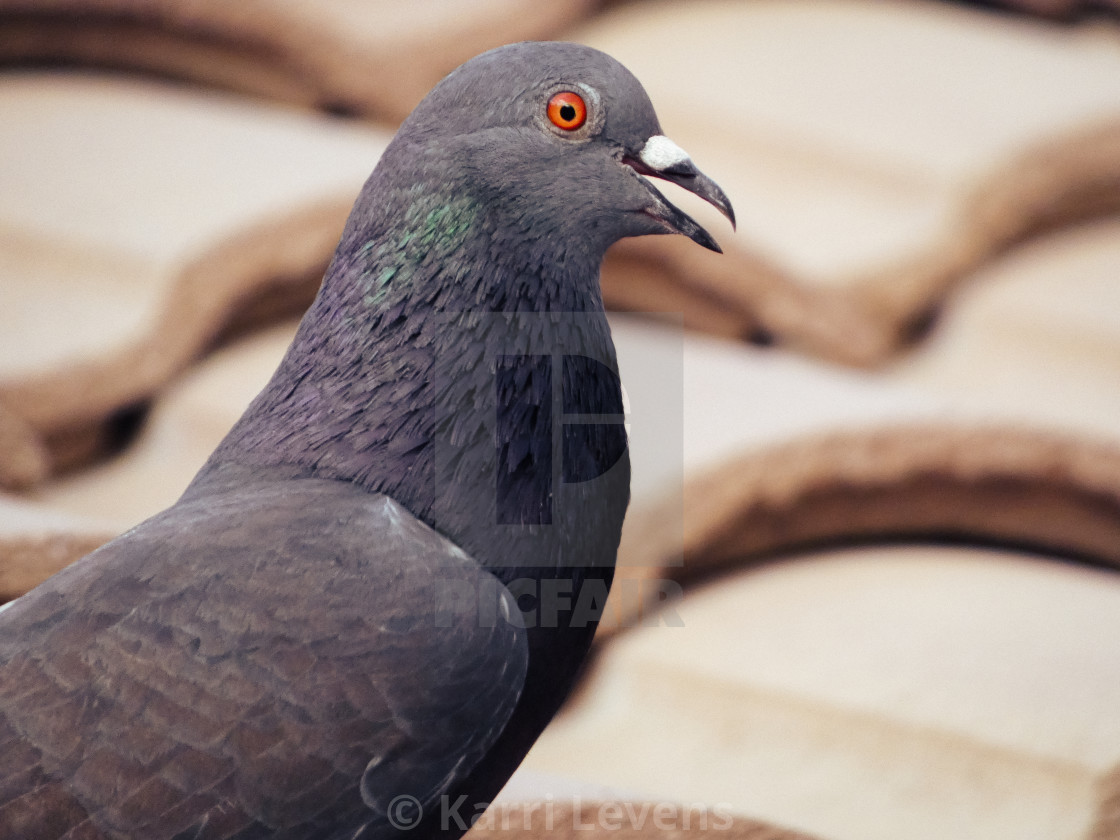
(560, 421)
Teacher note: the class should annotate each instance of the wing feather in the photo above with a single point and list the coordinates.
(280, 660)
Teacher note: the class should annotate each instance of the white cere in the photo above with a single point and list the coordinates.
(660, 153)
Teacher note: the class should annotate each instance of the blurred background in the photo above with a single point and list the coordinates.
(876, 443)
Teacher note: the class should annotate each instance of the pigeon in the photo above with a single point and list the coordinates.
(380, 587)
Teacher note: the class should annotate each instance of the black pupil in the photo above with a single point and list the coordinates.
(567, 113)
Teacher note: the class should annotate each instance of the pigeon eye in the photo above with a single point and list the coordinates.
(567, 110)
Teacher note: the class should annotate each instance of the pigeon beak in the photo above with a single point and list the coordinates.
(661, 158)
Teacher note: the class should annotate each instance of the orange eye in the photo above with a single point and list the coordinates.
(567, 110)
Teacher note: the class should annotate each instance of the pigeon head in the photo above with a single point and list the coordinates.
(559, 142)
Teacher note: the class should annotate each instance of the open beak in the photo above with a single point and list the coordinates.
(661, 158)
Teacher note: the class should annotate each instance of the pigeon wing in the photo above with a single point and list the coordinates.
(295, 659)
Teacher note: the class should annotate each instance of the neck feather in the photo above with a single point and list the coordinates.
(441, 365)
